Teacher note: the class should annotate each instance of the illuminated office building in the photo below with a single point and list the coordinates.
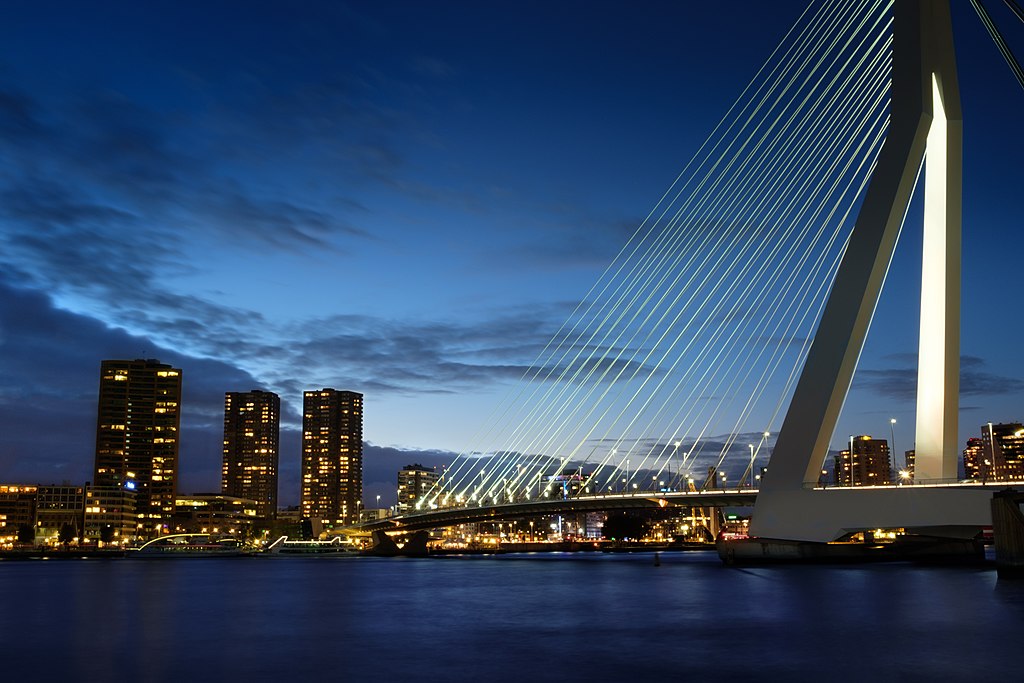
(58, 507)
(137, 437)
(45, 509)
(212, 513)
(413, 482)
(252, 426)
(868, 465)
(17, 513)
(110, 515)
(332, 456)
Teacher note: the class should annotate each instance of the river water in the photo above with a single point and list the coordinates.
(551, 617)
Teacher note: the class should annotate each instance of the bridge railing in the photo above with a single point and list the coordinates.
(989, 482)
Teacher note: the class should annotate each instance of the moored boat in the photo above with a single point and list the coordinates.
(191, 545)
(286, 546)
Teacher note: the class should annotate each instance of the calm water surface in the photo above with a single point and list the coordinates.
(591, 617)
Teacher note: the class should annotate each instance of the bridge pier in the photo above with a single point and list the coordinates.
(823, 515)
(414, 546)
(1008, 532)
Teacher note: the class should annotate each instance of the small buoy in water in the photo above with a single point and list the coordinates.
(657, 559)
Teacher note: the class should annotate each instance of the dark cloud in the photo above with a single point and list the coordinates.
(382, 463)
(49, 378)
(433, 67)
(573, 238)
(277, 223)
(119, 168)
(17, 114)
(901, 382)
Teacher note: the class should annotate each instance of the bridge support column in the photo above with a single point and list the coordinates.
(1008, 533)
(925, 115)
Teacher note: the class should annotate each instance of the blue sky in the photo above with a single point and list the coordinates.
(404, 199)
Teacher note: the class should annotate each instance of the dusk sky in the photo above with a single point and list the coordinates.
(404, 199)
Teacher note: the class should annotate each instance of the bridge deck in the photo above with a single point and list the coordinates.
(741, 497)
(535, 508)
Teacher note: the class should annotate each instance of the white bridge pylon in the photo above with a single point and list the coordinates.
(925, 117)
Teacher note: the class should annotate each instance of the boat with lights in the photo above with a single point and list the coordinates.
(191, 545)
(284, 546)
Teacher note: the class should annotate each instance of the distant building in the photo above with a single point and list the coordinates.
(413, 482)
(292, 513)
(909, 462)
(110, 515)
(977, 463)
(1003, 446)
(867, 466)
(252, 428)
(373, 514)
(44, 508)
(332, 456)
(569, 484)
(215, 513)
(17, 512)
(137, 437)
(57, 506)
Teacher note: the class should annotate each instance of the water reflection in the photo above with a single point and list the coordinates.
(559, 617)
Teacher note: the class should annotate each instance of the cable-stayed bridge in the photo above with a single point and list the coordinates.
(726, 332)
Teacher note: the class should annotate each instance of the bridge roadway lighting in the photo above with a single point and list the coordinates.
(991, 447)
(892, 436)
(751, 465)
(851, 460)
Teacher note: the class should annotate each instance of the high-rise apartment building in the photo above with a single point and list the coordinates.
(413, 482)
(868, 465)
(252, 428)
(977, 462)
(332, 456)
(1003, 446)
(137, 437)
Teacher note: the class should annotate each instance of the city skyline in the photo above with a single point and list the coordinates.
(467, 189)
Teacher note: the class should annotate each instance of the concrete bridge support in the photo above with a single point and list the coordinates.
(925, 116)
(1008, 532)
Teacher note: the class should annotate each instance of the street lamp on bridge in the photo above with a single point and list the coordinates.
(892, 436)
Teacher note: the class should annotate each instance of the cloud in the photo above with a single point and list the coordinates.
(571, 238)
(118, 167)
(17, 114)
(901, 382)
(49, 378)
